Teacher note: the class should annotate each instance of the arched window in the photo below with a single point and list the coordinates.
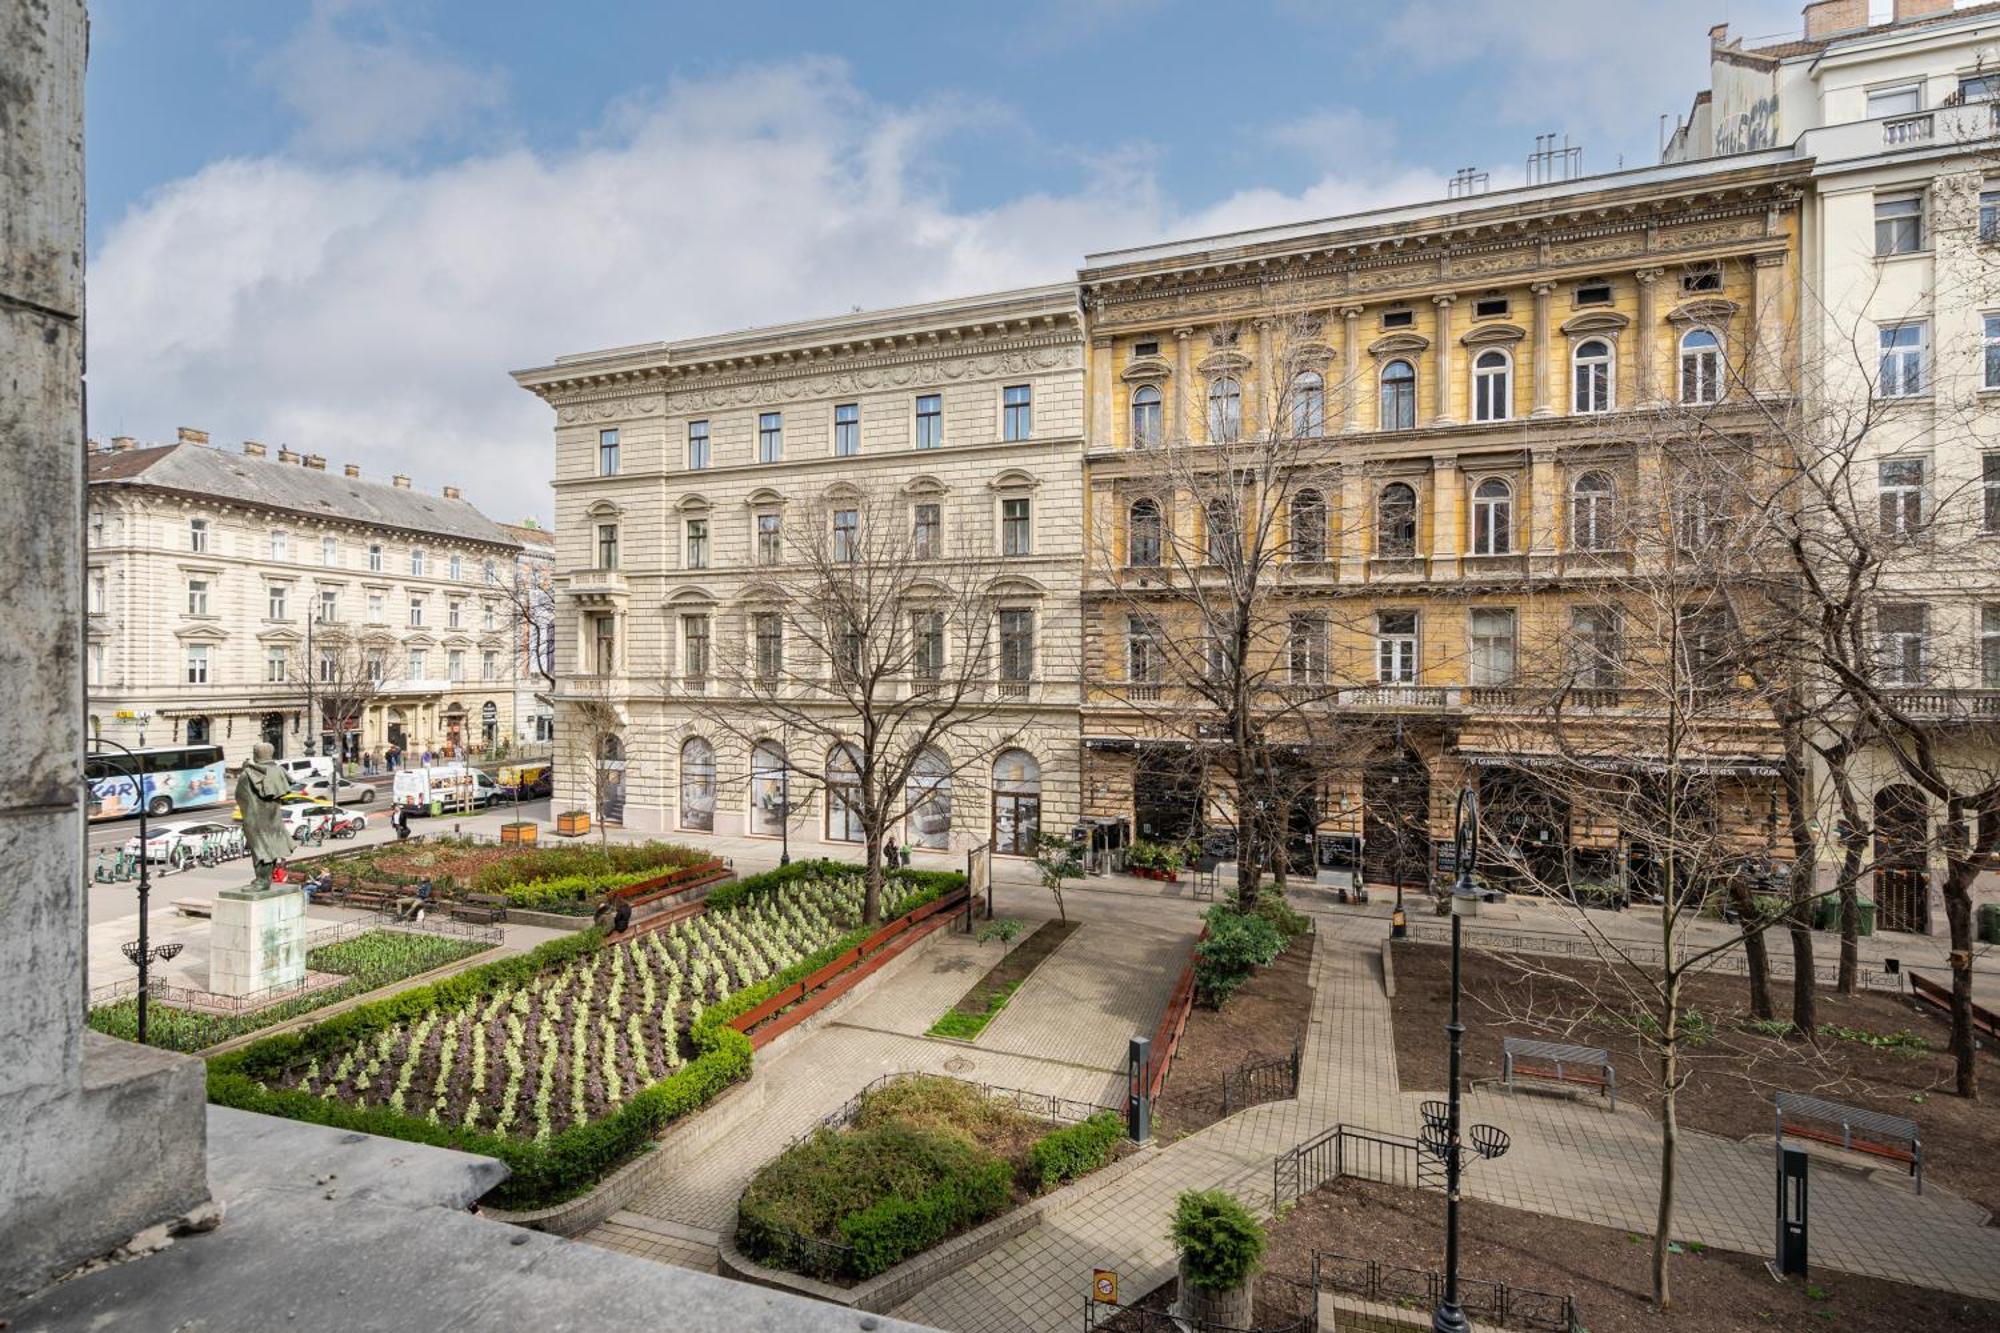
(697, 785)
(1492, 385)
(1309, 527)
(1224, 546)
(1148, 420)
(1593, 512)
(1492, 517)
(843, 795)
(928, 800)
(1308, 404)
(1142, 534)
(770, 789)
(1399, 396)
(1396, 521)
(1701, 366)
(1590, 373)
(1225, 410)
(1017, 803)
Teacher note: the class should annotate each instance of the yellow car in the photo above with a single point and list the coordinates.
(289, 798)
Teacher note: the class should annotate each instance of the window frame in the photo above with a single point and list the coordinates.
(1903, 505)
(1902, 652)
(694, 541)
(1706, 361)
(846, 430)
(1492, 386)
(929, 432)
(1308, 405)
(845, 544)
(1902, 229)
(1384, 516)
(1483, 669)
(1017, 412)
(607, 546)
(698, 446)
(1396, 395)
(1225, 409)
(770, 437)
(1017, 531)
(1306, 647)
(1016, 661)
(196, 663)
(1398, 651)
(608, 458)
(1138, 542)
(927, 530)
(1492, 525)
(1306, 525)
(696, 645)
(198, 535)
(1912, 376)
(1593, 377)
(767, 536)
(1148, 413)
(1593, 511)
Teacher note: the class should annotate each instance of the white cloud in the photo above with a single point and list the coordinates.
(359, 84)
(371, 314)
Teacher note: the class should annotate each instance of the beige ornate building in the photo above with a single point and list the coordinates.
(208, 570)
(683, 473)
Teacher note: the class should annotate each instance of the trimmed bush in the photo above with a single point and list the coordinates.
(895, 1228)
(1220, 1242)
(1235, 946)
(1272, 907)
(1075, 1150)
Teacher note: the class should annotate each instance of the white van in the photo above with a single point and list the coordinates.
(450, 786)
(305, 767)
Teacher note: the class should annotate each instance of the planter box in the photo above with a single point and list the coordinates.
(572, 824)
(518, 833)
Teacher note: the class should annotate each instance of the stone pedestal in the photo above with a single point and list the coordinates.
(257, 941)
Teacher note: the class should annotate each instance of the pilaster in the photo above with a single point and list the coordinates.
(1441, 360)
(1350, 351)
(1543, 405)
(1646, 338)
(1446, 499)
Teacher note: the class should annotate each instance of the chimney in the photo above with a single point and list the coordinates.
(451, 493)
(1824, 18)
(189, 435)
(1920, 9)
(317, 462)
(400, 482)
(253, 449)
(1718, 36)
(122, 443)
(351, 469)
(286, 454)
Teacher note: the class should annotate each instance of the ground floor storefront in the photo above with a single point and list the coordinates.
(467, 722)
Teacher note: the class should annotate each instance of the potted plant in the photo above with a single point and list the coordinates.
(573, 823)
(521, 831)
(1220, 1244)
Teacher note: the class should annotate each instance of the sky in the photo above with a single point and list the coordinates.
(338, 224)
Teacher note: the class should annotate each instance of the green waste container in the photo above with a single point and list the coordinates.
(1989, 922)
(437, 808)
(1826, 914)
(1867, 906)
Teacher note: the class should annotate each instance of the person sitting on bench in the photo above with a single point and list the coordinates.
(412, 907)
(318, 884)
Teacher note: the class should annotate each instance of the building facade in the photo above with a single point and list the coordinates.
(218, 582)
(687, 475)
(531, 600)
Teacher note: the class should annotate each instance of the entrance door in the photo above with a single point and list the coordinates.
(613, 786)
(1902, 877)
(273, 734)
(1166, 795)
(1526, 832)
(1395, 820)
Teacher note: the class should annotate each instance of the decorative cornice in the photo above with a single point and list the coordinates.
(1493, 333)
(1704, 310)
(1595, 321)
(1399, 344)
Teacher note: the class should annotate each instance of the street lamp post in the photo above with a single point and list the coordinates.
(140, 953)
(1441, 1124)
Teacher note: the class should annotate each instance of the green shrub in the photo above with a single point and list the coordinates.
(1144, 855)
(1272, 907)
(1075, 1150)
(1220, 1242)
(895, 1228)
(1235, 946)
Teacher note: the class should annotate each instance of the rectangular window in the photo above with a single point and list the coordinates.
(197, 602)
(927, 532)
(1148, 348)
(769, 629)
(1901, 100)
(95, 604)
(1305, 647)
(1903, 356)
(1978, 87)
(604, 643)
(1492, 640)
(697, 543)
(1900, 633)
(930, 421)
(378, 665)
(95, 536)
(607, 546)
(846, 430)
(1143, 658)
(280, 546)
(376, 613)
(1989, 346)
(454, 664)
(274, 666)
(1015, 536)
(198, 534)
(846, 535)
(489, 619)
(456, 567)
(416, 613)
(1396, 647)
(927, 644)
(1989, 476)
(489, 665)
(454, 614)
(1900, 487)
(419, 663)
(1989, 215)
(1989, 647)
(1702, 277)
(96, 665)
(1899, 224)
(694, 647)
(1017, 412)
(1594, 293)
(274, 605)
(770, 539)
(197, 664)
(1595, 632)
(375, 557)
(329, 668)
(1017, 646)
(1399, 319)
(607, 453)
(1492, 307)
(329, 607)
(329, 551)
(697, 445)
(770, 437)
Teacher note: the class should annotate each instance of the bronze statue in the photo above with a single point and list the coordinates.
(260, 787)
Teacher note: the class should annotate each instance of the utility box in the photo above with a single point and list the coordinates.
(1791, 1259)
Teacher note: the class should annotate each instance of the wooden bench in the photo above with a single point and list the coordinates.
(195, 906)
(366, 900)
(1560, 1063)
(485, 908)
(1874, 1133)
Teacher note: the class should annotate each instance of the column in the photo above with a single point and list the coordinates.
(1441, 362)
(1646, 338)
(1262, 409)
(1101, 392)
(1767, 365)
(1544, 406)
(1177, 431)
(1350, 351)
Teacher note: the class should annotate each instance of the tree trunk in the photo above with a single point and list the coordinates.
(1800, 885)
(1850, 915)
(1670, 1138)
(1959, 871)
(871, 880)
(1754, 952)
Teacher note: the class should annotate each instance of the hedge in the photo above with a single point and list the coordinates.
(568, 1163)
(1076, 1150)
(895, 1228)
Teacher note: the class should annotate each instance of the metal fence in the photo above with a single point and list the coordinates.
(1300, 1316)
(1257, 1081)
(1496, 1303)
(1364, 1154)
(1618, 951)
(1039, 1104)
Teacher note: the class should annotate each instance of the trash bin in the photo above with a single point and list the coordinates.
(1826, 913)
(437, 808)
(1989, 922)
(1867, 906)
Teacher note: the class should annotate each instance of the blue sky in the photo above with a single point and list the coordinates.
(338, 225)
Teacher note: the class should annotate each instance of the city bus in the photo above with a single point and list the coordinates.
(177, 777)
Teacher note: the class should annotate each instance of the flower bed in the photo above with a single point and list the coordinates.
(375, 959)
(566, 1061)
(567, 880)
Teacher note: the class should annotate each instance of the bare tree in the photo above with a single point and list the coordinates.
(345, 667)
(531, 617)
(591, 747)
(872, 639)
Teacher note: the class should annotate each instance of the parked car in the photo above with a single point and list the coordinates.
(351, 793)
(303, 817)
(165, 844)
(288, 799)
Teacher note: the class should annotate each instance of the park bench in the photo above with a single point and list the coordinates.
(485, 908)
(366, 900)
(1560, 1063)
(1852, 1128)
(195, 906)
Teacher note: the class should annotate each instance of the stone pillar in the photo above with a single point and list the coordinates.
(1350, 351)
(1268, 396)
(1103, 388)
(1441, 362)
(1447, 544)
(1543, 406)
(1544, 518)
(1767, 314)
(1177, 431)
(1357, 517)
(1646, 338)
(256, 941)
(102, 1138)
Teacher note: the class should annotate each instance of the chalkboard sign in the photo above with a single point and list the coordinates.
(1446, 854)
(1339, 851)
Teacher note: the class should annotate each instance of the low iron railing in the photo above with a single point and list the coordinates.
(1142, 1319)
(1499, 1304)
(1628, 952)
(1361, 1153)
(1257, 1081)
